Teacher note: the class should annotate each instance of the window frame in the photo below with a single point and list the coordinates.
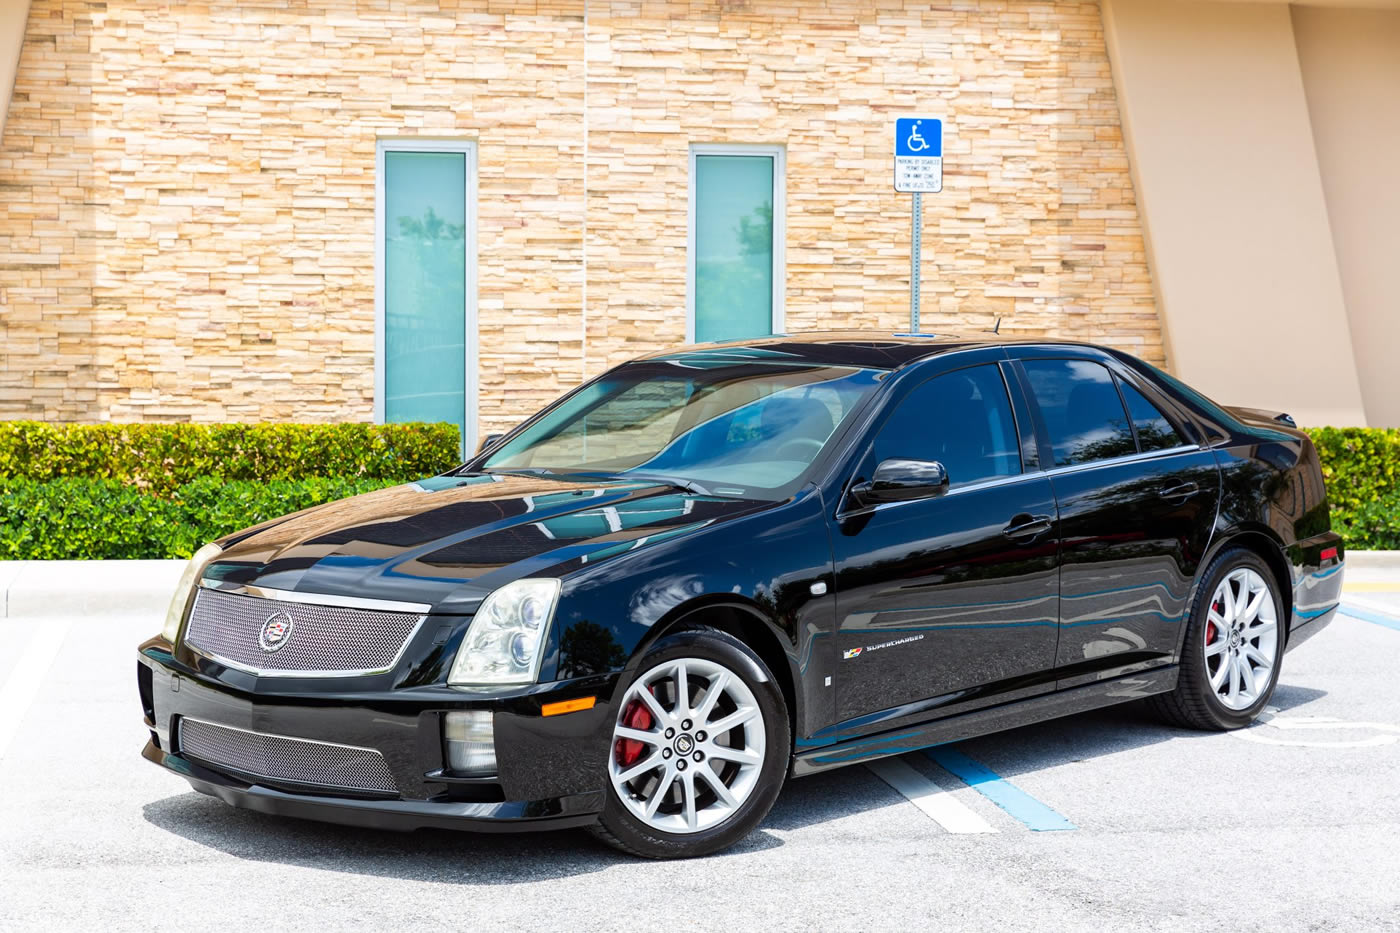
(1151, 393)
(1048, 447)
(864, 463)
(778, 153)
(470, 391)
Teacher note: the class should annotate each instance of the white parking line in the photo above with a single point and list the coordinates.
(945, 810)
(27, 676)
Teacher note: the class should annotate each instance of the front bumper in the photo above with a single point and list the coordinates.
(550, 769)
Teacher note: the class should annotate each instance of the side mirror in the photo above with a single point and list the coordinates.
(488, 441)
(901, 481)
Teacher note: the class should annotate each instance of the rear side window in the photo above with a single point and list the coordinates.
(1082, 410)
(961, 419)
(1154, 431)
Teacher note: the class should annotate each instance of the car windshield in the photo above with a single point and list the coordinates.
(748, 429)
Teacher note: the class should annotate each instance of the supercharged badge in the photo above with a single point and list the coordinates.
(855, 652)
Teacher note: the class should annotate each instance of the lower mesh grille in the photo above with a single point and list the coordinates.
(278, 758)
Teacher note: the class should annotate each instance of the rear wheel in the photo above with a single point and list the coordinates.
(699, 749)
(1233, 646)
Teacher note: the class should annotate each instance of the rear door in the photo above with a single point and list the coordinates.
(1137, 502)
(948, 602)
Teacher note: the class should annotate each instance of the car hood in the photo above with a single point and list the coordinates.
(450, 540)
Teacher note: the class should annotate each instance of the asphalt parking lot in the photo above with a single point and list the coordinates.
(1104, 821)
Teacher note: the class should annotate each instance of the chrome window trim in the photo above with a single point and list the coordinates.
(314, 599)
(1008, 480)
(1126, 458)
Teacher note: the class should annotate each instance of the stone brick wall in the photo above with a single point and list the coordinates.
(187, 190)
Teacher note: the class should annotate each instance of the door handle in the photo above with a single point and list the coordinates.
(1182, 491)
(1025, 526)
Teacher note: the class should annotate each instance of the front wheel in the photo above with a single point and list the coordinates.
(699, 748)
(1233, 647)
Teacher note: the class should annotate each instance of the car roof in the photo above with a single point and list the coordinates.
(866, 349)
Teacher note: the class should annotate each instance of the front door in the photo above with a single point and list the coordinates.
(1137, 503)
(949, 602)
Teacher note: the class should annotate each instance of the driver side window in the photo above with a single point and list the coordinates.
(961, 419)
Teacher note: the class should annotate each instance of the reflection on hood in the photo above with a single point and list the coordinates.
(421, 541)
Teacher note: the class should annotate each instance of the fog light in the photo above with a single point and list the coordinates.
(470, 737)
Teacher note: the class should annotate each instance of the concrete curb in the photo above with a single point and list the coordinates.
(33, 589)
(1373, 560)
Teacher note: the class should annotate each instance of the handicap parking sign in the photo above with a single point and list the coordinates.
(918, 154)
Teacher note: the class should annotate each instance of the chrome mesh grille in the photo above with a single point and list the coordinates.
(322, 639)
(275, 757)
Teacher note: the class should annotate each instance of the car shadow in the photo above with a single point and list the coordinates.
(434, 855)
(1027, 749)
(1086, 736)
(506, 858)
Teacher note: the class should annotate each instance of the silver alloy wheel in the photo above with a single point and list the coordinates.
(1241, 638)
(688, 746)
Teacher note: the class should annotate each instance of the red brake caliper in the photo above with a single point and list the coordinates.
(636, 716)
(1211, 633)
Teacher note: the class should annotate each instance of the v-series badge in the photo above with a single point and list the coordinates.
(855, 652)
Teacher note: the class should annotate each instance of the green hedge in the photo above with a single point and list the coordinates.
(162, 490)
(77, 517)
(164, 457)
(1362, 470)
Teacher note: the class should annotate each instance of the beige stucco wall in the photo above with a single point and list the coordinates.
(1243, 260)
(187, 191)
(1351, 72)
(14, 14)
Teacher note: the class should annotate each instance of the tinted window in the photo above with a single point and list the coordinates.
(1082, 410)
(1154, 431)
(961, 419)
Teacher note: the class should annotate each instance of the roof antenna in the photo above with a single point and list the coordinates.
(996, 328)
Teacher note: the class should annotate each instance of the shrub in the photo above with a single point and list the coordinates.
(1360, 465)
(77, 517)
(1373, 525)
(164, 457)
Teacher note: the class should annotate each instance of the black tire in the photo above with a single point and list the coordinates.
(622, 829)
(1193, 704)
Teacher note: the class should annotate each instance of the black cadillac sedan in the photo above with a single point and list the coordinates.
(711, 569)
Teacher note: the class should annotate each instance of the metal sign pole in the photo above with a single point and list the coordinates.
(915, 254)
(918, 167)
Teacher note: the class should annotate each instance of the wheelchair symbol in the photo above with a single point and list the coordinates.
(915, 142)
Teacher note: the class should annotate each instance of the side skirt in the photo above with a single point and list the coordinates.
(982, 721)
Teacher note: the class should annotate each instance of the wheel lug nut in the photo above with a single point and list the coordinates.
(670, 733)
(699, 756)
(686, 725)
(680, 765)
(699, 736)
(665, 753)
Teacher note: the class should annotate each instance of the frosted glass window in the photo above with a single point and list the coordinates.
(733, 262)
(425, 287)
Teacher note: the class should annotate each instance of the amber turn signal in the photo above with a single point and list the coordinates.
(567, 706)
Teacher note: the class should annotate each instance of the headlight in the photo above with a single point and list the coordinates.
(176, 613)
(506, 636)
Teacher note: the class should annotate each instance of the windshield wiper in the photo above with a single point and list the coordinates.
(526, 471)
(685, 485)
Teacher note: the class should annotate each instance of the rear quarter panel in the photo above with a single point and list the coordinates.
(1272, 491)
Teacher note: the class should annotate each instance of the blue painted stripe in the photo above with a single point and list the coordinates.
(1004, 794)
(1365, 615)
